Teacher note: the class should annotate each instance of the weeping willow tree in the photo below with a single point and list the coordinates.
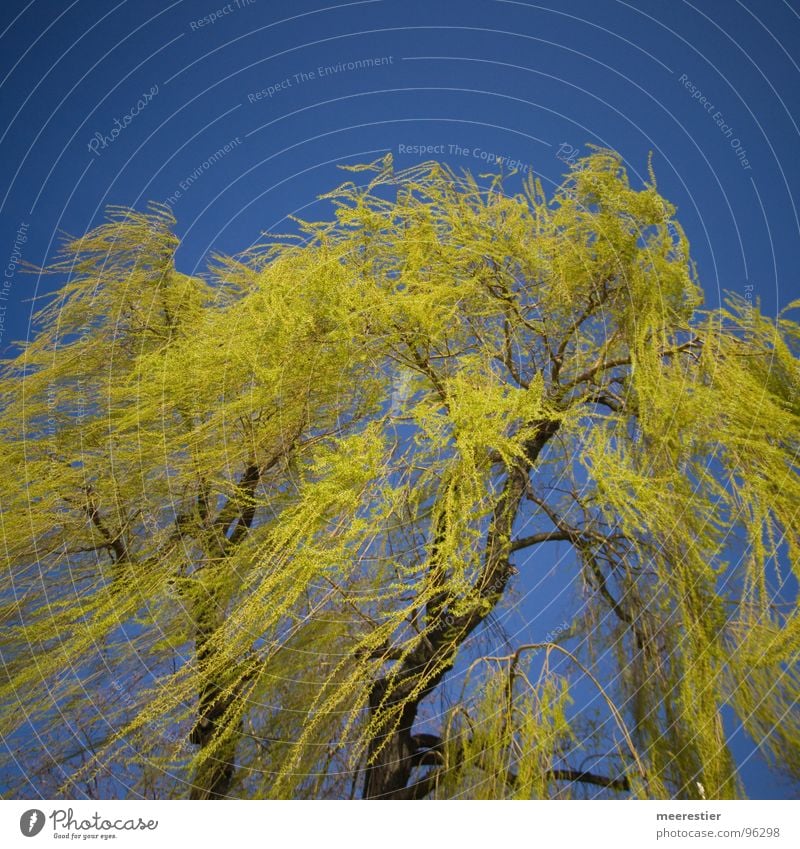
(264, 531)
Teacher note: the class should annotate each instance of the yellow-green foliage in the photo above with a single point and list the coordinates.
(297, 475)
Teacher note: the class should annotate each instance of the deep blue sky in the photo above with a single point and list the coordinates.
(711, 88)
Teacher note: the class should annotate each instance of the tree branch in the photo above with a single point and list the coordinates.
(114, 542)
(621, 784)
(544, 536)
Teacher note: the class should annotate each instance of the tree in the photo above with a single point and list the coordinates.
(255, 525)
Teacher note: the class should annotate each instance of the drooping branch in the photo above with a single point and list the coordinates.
(115, 542)
(430, 753)
(426, 785)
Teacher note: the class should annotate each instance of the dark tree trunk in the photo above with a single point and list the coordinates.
(390, 773)
(393, 756)
(214, 777)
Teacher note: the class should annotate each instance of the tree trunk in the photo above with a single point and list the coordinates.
(388, 776)
(391, 761)
(213, 778)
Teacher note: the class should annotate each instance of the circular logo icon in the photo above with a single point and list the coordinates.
(31, 822)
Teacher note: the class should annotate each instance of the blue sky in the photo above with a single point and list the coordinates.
(238, 114)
